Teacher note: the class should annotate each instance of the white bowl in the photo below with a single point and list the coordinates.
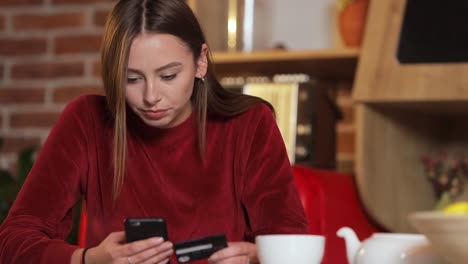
(448, 233)
(297, 249)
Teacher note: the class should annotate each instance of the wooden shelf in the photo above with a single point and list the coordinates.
(381, 77)
(402, 111)
(446, 108)
(391, 138)
(334, 64)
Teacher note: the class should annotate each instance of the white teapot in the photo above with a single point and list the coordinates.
(388, 248)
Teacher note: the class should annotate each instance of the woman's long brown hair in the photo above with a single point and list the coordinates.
(125, 22)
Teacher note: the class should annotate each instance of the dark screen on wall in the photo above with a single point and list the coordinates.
(434, 31)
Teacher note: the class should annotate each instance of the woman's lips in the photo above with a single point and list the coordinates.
(154, 115)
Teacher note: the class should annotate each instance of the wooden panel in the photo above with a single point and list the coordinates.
(330, 64)
(440, 108)
(390, 176)
(403, 112)
(380, 77)
(390, 141)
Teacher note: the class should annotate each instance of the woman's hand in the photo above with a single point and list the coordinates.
(114, 250)
(236, 253)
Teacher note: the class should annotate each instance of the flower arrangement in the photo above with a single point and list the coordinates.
(448, 174)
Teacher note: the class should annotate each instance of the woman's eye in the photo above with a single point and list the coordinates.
(132, 79)
(168, 77)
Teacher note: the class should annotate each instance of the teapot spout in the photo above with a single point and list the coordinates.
(352, 242)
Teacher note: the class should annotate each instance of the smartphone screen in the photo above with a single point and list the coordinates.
(142, 228)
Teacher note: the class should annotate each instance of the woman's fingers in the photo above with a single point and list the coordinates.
(153, 254)
(233, 260)
(132, 248)
(161, 257)
(239, 252)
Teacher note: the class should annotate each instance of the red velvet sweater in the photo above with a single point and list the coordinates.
(244, 188)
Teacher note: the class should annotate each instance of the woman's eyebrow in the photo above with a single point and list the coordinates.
(169, 65)
(162, 68)
(130, 70)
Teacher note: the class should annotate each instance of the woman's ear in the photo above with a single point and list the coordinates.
(202, 63)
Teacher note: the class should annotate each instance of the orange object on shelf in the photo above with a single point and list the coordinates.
(351, 22)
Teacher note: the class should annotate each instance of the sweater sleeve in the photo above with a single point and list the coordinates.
(270, 196)
(41, 217)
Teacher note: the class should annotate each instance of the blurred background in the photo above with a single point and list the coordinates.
(49, 54)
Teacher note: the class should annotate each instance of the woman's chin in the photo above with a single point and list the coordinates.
(157, 123)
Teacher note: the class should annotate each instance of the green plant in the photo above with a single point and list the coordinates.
(11, 184)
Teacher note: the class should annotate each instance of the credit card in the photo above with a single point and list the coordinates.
(199, 248)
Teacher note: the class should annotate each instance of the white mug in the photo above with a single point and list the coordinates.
(289, 248)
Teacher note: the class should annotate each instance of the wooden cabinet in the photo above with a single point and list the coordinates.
(381, 78)
(402, 111)
(329, 64)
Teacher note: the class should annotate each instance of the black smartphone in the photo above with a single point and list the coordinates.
(142, 228)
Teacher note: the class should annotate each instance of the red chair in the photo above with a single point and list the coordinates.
(330, 200)
(82, 226)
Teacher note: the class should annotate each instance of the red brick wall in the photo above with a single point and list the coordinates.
(49, 53)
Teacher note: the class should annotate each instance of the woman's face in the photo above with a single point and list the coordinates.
(160, 78)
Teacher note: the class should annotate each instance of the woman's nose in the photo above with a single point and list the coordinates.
(151, 94)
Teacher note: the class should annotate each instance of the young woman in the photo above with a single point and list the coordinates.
(166, 141)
